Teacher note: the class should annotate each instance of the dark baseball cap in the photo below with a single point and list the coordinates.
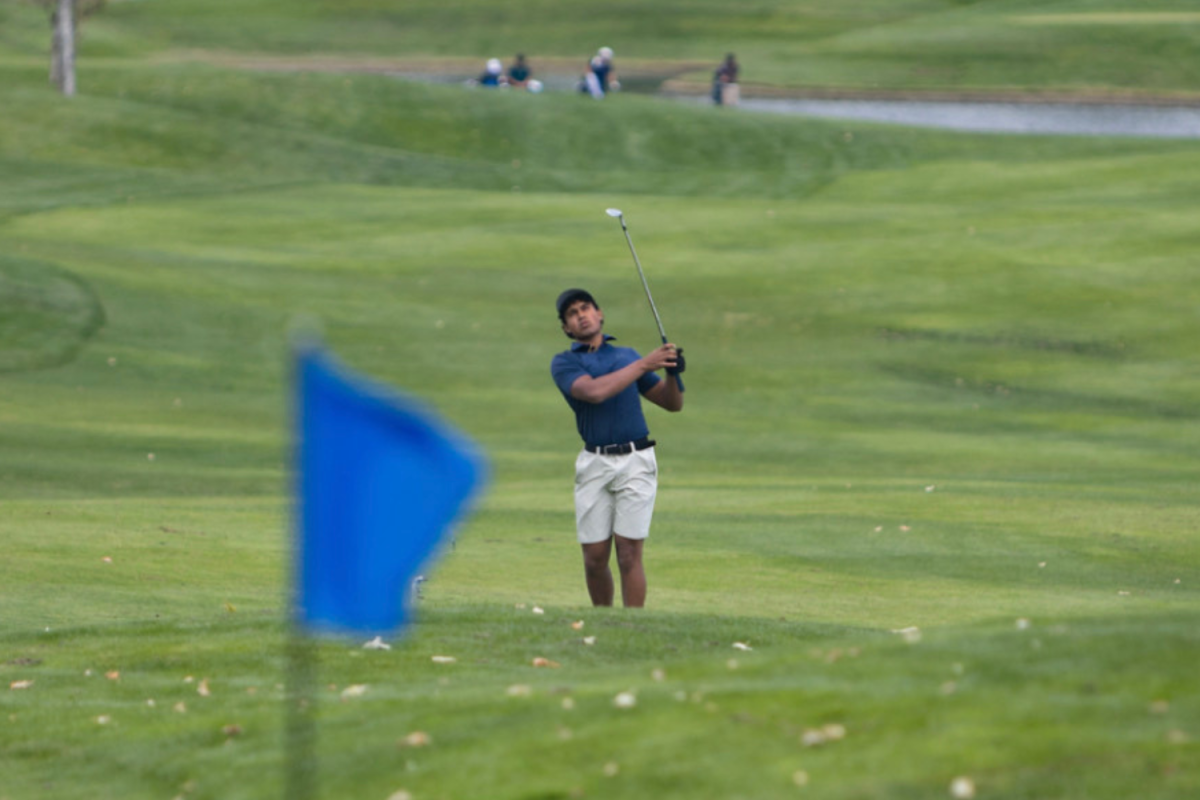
(570, 296)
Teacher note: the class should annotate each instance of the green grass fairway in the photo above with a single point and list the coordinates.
(930, 513)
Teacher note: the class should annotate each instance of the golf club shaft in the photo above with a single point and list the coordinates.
(615, 213)
(645, 285)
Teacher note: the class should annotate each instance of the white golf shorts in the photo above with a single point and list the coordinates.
(615, 494)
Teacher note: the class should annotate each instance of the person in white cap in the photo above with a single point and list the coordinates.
(600, 78)
(493, 74)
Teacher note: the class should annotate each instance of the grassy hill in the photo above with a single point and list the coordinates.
(938, 383)
(1083, 46)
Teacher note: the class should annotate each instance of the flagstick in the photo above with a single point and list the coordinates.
(300, 757)
(348, 431)
(300, 694)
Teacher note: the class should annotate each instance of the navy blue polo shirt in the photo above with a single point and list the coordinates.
(618, 419)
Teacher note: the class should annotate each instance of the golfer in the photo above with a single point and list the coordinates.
(616, 474)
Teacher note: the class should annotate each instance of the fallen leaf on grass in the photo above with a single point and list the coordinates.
(911, 634)
(203, 689)
(815, 737)
(834, 731)
(800, 778)
(354, 690)
(658, 675)
(519, 690)
(741, 646)
(232, 730)
(545, 662)
(113, 675)
(538, 610)
(20, 684)
(103, 719)
(416, 739)
(577, 625)
(962, 788)
(181, 707)
(625, 700)
(443, 659)
(589, 640)
(107, 559)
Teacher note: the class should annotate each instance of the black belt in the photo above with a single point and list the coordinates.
(622, 449)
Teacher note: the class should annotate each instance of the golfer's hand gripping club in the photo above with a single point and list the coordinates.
(679, 362)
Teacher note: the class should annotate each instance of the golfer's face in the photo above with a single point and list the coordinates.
(582, 320)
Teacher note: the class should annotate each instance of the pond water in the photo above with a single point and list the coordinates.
(1173, 122)
(1083, 119)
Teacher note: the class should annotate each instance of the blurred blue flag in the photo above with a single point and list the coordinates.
(380, 482)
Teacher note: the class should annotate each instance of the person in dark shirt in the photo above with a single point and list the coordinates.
(600, 78)
(492, 74)
(726, 75)
(616, 473)
(519, 73)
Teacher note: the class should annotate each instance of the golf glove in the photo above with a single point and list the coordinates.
(680, 363)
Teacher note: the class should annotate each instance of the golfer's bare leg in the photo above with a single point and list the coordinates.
(599, 576)
(633, 575)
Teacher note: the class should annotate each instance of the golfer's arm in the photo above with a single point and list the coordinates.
(597, 390)
(666, 394)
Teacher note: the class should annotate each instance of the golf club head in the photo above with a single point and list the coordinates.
(614, 212)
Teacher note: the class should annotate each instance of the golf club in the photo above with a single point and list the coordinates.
(616, 213)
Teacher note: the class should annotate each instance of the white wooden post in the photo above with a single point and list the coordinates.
(66, 37)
